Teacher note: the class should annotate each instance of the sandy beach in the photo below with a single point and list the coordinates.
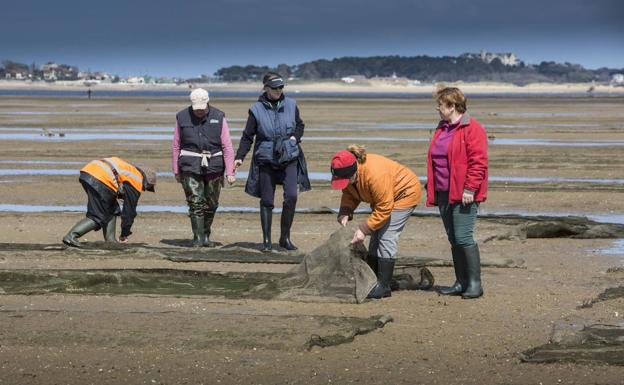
(367, 86)
(556, 156)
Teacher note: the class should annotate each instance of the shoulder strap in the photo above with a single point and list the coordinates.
(114, 170)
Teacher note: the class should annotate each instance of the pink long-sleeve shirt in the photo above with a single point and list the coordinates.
(226, 143)
(439, 156)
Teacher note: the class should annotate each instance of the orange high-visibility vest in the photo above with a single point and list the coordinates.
(113, 172)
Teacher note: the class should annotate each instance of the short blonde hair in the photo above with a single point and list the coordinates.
(452, 96)
(358, 151)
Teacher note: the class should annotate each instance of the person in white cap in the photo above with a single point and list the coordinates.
(201, 154)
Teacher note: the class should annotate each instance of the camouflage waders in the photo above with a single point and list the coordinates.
(202, 197)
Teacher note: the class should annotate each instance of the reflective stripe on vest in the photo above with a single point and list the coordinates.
(126, 172)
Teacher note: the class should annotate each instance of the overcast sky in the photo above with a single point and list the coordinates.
(192, 37)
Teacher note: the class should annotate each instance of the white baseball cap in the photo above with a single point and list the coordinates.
(199, 99)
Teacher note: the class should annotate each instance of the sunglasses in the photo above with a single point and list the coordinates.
(277, 88)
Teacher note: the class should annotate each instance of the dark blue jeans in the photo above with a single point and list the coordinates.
(458, 220)
(270, 177)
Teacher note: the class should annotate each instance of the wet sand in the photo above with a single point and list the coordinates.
(433, 339)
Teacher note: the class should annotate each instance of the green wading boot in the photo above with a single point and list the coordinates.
(108, 230)
(266, 217)
(81, 228)
(473, 269)
(382, 288)
(197, 223)
(286, 221)
(208, 218)
(461, 279)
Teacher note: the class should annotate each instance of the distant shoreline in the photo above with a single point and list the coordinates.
(368, 87)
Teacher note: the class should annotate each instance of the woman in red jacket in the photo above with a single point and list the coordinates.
(457, 180)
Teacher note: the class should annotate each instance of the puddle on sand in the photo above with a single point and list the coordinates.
(126, 135)
(62, 162)
(316, 176)
(110, 113)
(555, 143)
(23, 208)
(30, 172)
(617, 248)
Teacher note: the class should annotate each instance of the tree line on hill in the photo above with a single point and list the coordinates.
(427, 69)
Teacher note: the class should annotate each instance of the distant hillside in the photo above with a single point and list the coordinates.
(467, 67)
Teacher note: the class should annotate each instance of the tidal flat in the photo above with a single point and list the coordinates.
(106, 338)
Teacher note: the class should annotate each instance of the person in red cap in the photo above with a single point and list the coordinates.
(391, 189)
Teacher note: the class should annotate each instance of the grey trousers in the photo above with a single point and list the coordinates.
(384, 242)
(458, 219)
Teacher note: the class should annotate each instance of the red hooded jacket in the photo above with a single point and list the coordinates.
(468, 162)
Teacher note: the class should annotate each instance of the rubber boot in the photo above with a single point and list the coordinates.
(266, 217)
(108, 230)
(373, 263)
(208, 218)
(197, 223)
(81, 228)
(288, 215)
(382, 288)
(473, 269)
(459, 264)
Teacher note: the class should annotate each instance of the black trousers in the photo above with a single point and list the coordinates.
(270, 177)
(101, 205)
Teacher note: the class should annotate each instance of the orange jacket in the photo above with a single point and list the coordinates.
(125, 171)
(386, 185)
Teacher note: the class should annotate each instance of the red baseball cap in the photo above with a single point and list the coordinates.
(343, 166)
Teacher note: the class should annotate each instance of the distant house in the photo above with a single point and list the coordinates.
(508, 59)
(52, 72)
(103, 76)
(97, 76)
(353, 79)
(17, 75)
(17, 71)
(136, 80)
(617, 80)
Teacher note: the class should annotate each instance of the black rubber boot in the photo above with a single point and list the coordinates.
(108, 230)
(208, 218)
(373, 263)
(266, 217)
(461, 280)
(81, 228)
(382, 288)
(286, 221)
(473, 269)
(197, 223)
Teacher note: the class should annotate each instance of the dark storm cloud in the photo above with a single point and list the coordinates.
(185, 22)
